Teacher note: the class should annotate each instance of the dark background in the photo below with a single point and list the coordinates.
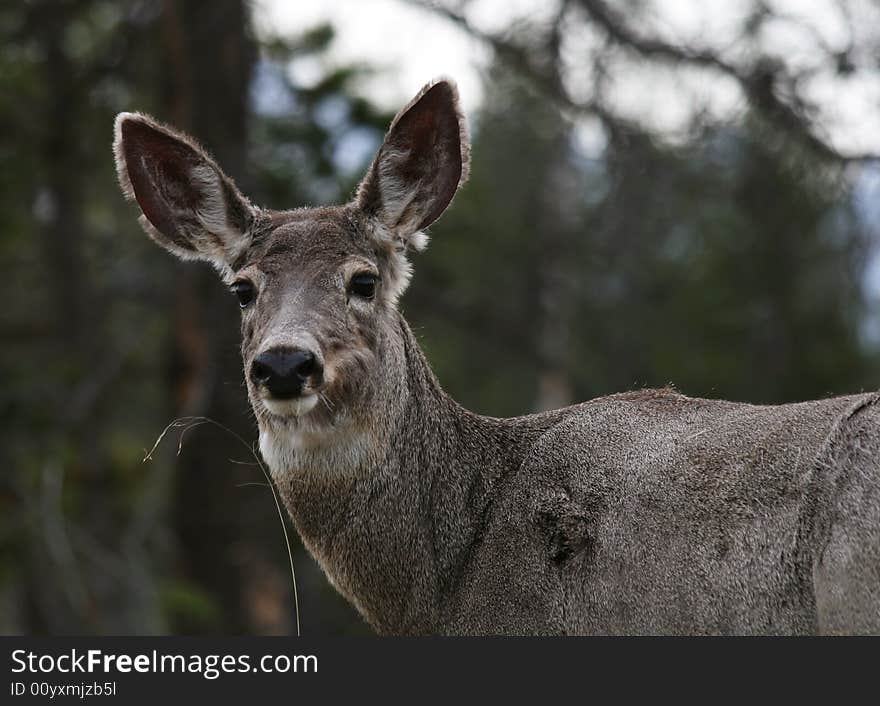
(732, 259)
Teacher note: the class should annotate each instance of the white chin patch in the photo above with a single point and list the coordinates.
(296, 407)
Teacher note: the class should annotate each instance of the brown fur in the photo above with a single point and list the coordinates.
(643, 512)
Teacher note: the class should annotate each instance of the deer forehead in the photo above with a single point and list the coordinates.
(301, 264)
(310, 240)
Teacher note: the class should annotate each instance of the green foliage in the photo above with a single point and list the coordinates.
(188, 604)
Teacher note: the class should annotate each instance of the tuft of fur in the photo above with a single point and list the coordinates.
(118, 155)
(398, 271)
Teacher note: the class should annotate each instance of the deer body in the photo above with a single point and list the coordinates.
(645, 512)
(543, 525)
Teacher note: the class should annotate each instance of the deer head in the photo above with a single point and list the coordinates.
(317, 287)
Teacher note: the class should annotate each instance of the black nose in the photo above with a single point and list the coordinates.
(283, 371)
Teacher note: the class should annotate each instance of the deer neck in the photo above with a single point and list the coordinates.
(393, 511)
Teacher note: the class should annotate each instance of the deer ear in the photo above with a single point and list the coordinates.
(420, 165)
(189, 205)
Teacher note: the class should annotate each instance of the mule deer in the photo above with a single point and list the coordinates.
(642, 512)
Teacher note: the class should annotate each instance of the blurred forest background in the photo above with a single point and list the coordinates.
(731, 257)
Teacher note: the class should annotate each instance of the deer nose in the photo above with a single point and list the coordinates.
(284, 372)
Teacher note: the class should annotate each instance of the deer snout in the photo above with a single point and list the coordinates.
(284, 372)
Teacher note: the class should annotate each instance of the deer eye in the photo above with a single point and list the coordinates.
(363, 285)
(244, 290)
